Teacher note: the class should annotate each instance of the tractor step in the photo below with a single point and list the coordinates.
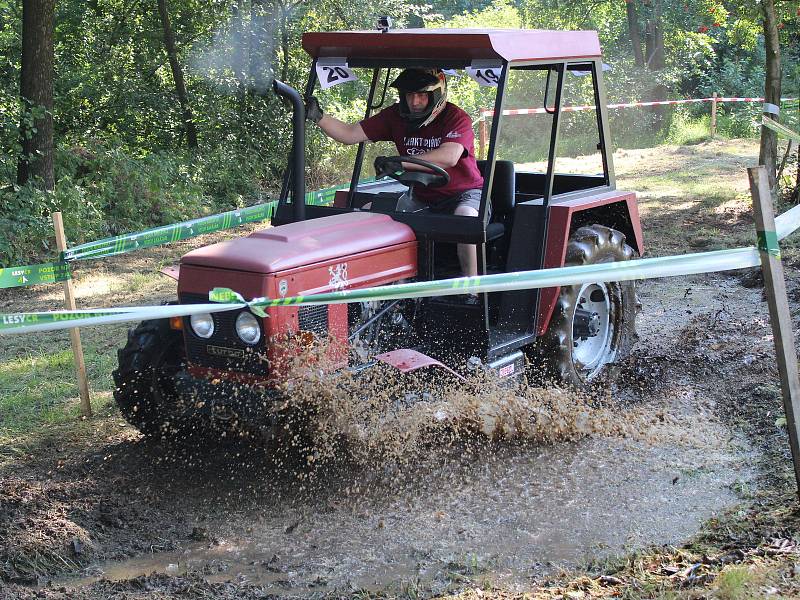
(406, 360)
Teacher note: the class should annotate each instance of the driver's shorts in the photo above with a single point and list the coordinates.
(470, 198)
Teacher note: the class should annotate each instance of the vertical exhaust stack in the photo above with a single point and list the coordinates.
(298, 163)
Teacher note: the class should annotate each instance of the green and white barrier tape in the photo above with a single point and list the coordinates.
(788, 222)
(780, 129)
(66, 319)
(668, 266)
(53, 272)
(168, 234)
(59, 271)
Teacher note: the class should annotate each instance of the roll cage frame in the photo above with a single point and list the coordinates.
(510, 320)
(462, 229)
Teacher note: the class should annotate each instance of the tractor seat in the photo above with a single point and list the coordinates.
(502, 197)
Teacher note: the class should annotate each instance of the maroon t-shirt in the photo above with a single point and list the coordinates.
(451, 125)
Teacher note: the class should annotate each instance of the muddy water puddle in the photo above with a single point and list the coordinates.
(407, 511)
(505, 516)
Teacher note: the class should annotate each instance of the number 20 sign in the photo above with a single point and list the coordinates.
(331, 75)
(488, 77)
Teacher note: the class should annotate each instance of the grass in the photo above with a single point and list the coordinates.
(736, 583)
(39, 387)
(685, 130)
(37, 375)
(701, 189)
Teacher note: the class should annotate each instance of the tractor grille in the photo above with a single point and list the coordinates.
(223, 350)
(314, 319)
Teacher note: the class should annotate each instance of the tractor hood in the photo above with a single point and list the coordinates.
(303, 243)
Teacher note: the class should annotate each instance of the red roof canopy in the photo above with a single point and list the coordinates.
(513, 45)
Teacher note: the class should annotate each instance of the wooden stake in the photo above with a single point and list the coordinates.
(713, 115)
(74, 333)
(780, 317)
(482, 136)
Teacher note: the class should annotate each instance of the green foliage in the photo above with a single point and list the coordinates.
(684, 130)
(122, 163)
(499, 14)
(105, 191)
(735, 584)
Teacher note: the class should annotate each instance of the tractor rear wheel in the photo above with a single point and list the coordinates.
(593, 324)
(145, 379)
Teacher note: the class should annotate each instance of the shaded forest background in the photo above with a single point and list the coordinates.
(160, 111)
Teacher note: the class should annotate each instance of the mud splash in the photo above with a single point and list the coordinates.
(386, 417)
(392, 489)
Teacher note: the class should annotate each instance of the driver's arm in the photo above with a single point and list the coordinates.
(346, 133)
(446, 156)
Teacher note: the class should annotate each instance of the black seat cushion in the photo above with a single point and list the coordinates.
(495, 231)
(503, 187)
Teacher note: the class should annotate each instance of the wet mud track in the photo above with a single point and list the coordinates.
(645, 470)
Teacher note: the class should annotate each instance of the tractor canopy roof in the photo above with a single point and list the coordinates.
(453, 45)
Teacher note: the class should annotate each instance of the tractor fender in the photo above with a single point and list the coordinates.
(615, 209)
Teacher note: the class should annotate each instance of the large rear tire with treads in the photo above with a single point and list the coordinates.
(593, 324)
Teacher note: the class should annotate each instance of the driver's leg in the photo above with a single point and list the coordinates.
(468, 204)
(467, 253)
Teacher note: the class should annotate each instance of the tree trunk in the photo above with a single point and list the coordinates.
(284, 12)
(36, 92)
(768, 151)
(633, 30)
(655, 39)
(177, 75)
(239, 54)
(796, 194)
(260, 42)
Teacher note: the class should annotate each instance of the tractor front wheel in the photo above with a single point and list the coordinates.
(145, 379)
(593, 324)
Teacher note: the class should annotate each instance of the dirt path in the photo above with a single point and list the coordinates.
(496, 506)
(491, 513)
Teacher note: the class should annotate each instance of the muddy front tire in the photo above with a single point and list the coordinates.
(145, 379)
(594, 324)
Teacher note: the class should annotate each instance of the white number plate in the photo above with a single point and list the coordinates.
(489, 77)
(331, 75)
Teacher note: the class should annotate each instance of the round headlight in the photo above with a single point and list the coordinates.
(247, 328)
(202, 325)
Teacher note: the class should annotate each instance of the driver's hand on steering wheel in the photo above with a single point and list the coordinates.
(385, 166)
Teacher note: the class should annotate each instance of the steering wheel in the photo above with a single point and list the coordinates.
(392, 166)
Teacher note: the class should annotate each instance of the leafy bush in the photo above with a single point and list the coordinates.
(684, 129)
(104, 191)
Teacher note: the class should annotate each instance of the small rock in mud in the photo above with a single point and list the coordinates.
(77, 547)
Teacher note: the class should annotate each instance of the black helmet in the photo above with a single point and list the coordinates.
(421, 80)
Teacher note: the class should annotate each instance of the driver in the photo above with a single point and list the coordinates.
(425, 125)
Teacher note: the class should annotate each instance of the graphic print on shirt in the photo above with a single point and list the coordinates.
(452, 125)
(416, 145)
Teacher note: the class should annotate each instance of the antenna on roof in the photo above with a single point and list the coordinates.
(384, 23)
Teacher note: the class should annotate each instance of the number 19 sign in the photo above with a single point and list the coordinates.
(489, 77)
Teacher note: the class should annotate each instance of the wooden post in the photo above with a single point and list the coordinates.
(482, 135)
(74, 333)
(713, 115)
(779, 315)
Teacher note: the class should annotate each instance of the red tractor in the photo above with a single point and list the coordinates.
(230, 364)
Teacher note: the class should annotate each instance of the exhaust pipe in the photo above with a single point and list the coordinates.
(298, 162)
